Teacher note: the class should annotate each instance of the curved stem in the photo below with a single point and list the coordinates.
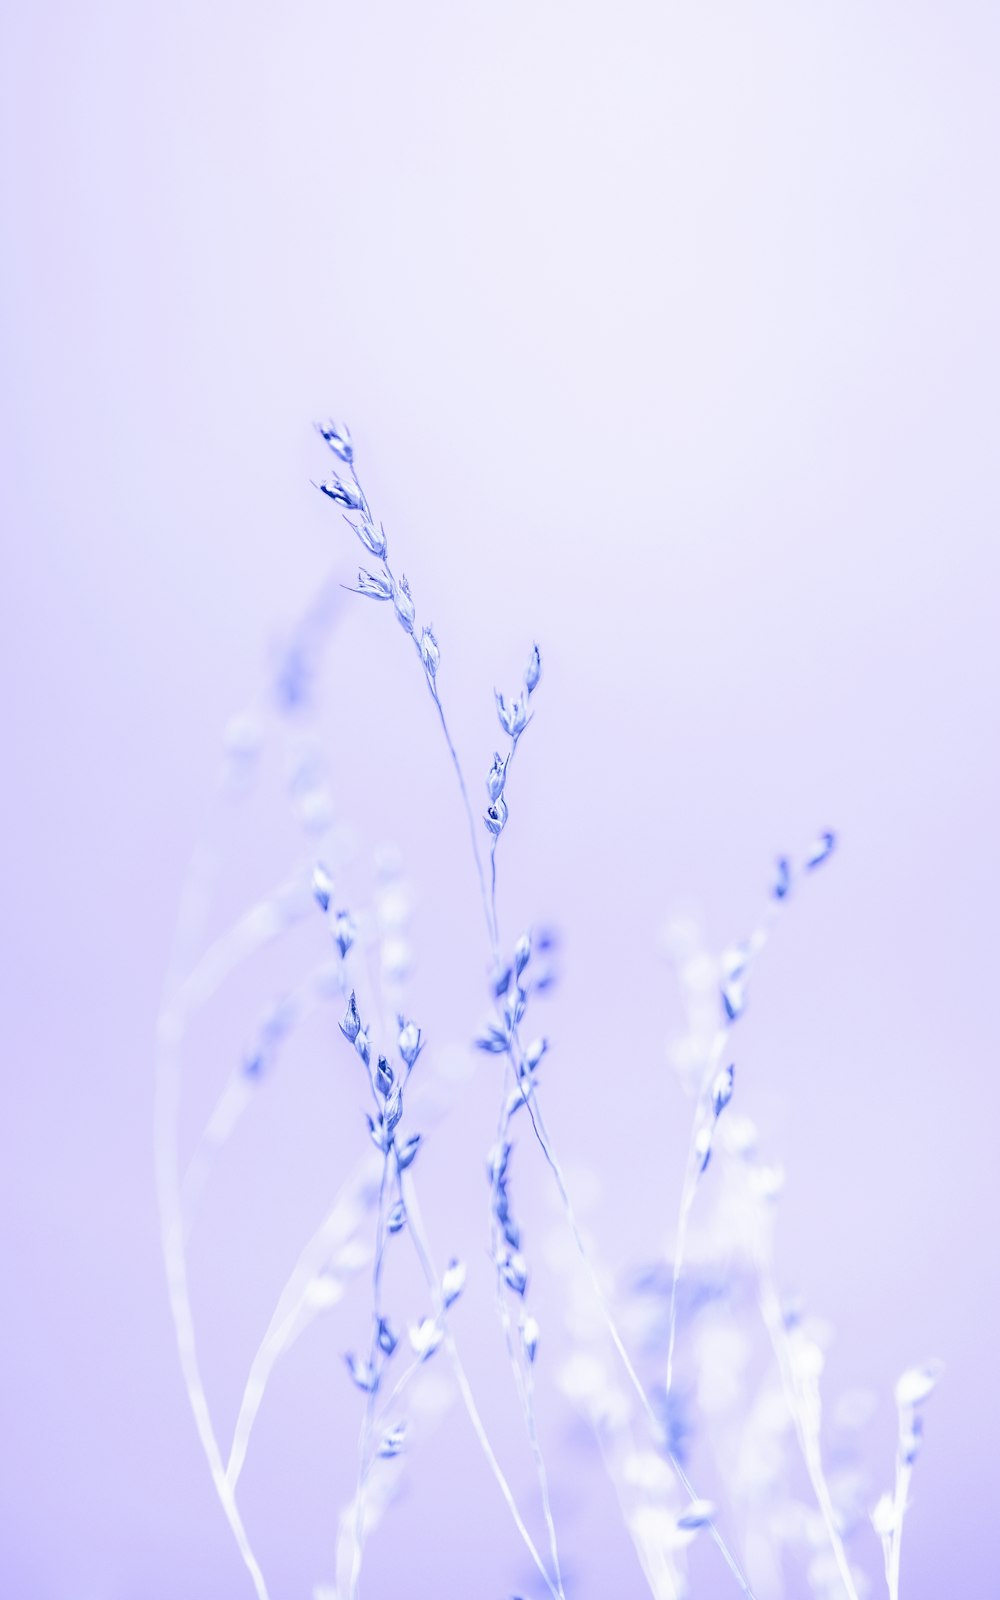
(754, 946)
(523, 1379)
(807, 1437)
(341, 1223)
(169, 1034)
(489, 904)
(543, 1476)
(423, 1255)
(904, 1472)
(369, 1417)
(541, 1134)
(687, 1201)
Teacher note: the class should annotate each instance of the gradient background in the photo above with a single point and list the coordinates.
(668, 334)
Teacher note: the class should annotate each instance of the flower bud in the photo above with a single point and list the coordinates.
(343, 932)
(322, 886)
(821, 849)
(515, 1271)
(363, 1373)
(496, 816)
(342, 494)
(372, 538)
(392, 1442)
(703, 1149)
(917, 1383)
(403, 601)
(722, 1090)
(425, 1338)
(496, 777)
(529, 1337)
(407, 1152)
(337, 436)
(534, 1053)
(453, 1282)
(351, 1025)
(699, 1514)
(409, 1041)
(383, 1077)
(430, 654)
(514, 1007)
(734, 999)
(534, 671)
(513, 717)
(393, 1111)
(374, 585)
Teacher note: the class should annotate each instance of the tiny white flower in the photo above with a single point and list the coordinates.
(697, 1515)
(529, 1337)
(884, 1517)
(453, 1282)
(917, 1383)
(425, 1337)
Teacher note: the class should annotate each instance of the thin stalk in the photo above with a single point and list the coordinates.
(688, 1193)
(423, 1255)
(369, 1417)
(166, 1113)
(543, 1477)
(489, 905)
(489, 912)
(754, 946)
(808, 1442)
(541, 1134)
(523, 1380)
(545, 1144)
(339, 1225)
(904, 1472)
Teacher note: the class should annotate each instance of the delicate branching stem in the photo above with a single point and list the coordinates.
(542, 1136)
(228, 1110)
(808, 1437)
(169, 1034)
(546, 1147)
(369, 1416)
(770, 1307)
(641, 1554)
(489, 907)
(904, 1472)
(183, 997)
(423, 1255)
(687, 1199)
(433, 692)
(693, 1168)
(543, 1476)
(523, 1378)
(398, 1389)
(339, 1224)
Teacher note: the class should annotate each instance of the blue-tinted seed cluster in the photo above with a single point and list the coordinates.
(397, 1148)
(346, 492)
(739, 962)
(501, 1037)
(514, 714)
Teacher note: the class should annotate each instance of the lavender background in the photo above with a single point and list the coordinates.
(669, 335)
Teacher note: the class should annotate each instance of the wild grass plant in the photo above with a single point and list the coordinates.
(700, 1345)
